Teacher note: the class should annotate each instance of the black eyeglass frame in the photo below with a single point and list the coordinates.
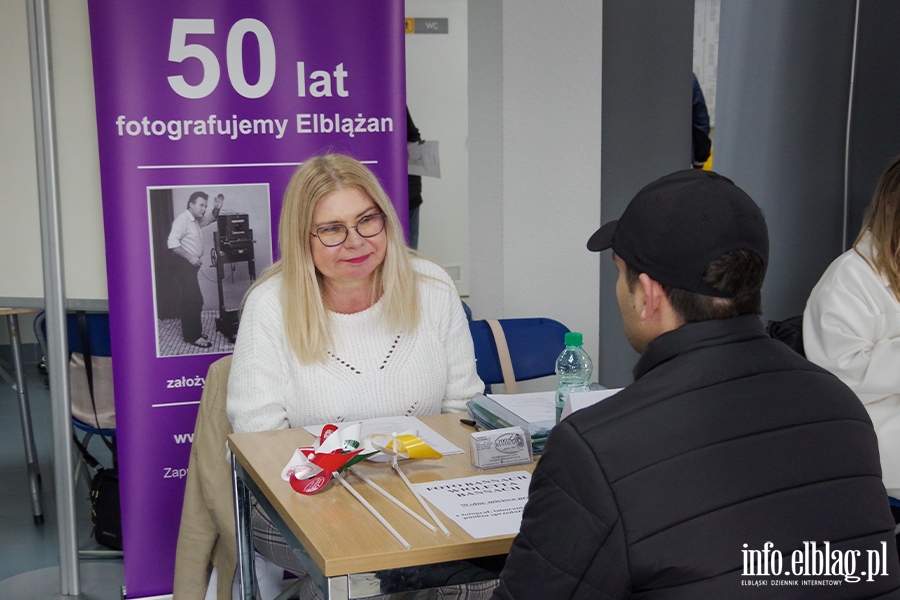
(347, 229)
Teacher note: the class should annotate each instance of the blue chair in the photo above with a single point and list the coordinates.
(534, 345)
(98, 332)
(99, 339)
(467, 310)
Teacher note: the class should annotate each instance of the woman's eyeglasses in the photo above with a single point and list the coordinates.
(336, 234)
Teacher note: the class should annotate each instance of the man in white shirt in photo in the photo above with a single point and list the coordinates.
(186, 241)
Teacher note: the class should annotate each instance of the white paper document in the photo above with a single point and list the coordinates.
(389, 425)
(534, 407)
(579, 400)
(424, 159)
(483, 505)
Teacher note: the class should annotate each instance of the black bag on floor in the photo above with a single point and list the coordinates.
(106, 513)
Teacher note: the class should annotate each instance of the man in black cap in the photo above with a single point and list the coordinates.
(731, 467)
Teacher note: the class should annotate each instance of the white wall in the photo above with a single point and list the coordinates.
(437, 97)
(535, 179)
(18, 194)
(79, 166)
(706, 51)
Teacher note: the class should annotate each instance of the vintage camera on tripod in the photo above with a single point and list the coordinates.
(233, 244)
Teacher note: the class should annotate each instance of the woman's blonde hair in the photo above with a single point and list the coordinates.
(882, 221)
(306, 321)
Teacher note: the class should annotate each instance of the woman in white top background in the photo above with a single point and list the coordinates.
(851, 325)
(349, 324)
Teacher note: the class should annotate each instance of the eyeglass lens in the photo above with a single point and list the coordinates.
(335, 235)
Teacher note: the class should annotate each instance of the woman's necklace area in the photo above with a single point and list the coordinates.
(348, 304)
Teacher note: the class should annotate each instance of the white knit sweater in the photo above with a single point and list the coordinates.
(370, 371)
(851, 326)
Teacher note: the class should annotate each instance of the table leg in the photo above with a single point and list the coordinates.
(337, 588)
(34, 469)
(245, 567)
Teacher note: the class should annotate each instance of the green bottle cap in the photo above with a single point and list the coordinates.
(573, 338)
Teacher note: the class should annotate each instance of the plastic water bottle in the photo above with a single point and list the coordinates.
(573, 370)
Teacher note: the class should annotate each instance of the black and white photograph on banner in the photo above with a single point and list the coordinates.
(209, 243)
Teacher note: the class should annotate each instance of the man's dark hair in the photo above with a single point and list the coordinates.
(738, 273)
(196, 195)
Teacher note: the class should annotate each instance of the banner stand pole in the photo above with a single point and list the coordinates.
(54, 289)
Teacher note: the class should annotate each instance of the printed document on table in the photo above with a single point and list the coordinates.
(389, 425)
(483, 505)
(534, 407)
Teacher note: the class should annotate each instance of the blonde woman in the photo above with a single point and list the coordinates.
(851, 325)
(348, 324)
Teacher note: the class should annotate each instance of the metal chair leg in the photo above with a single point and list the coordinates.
(291, 591)
(34, 469)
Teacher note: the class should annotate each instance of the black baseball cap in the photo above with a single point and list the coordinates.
(676, 226)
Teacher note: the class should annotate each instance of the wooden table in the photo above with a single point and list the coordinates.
(17, 382)
(334, 535)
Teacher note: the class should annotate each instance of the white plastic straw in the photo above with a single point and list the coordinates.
(372, 510)
(388, 495)
(418, 497)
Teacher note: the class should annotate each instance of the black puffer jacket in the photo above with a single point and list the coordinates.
(726, 440)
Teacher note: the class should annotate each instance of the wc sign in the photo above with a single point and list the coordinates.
(427, 26)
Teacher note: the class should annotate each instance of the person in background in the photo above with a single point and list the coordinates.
(851, 325)
(728, 446)
(701, 145)
(347, 325)
(186, 242)
(415, 185)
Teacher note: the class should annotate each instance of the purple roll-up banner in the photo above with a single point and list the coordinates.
(204, 110)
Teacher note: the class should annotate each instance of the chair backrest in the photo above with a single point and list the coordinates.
(207, 526)
(98, 333)
(97, 417)
(467, 310)
(534, 344)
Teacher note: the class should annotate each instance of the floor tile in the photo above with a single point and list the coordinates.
(99, 580)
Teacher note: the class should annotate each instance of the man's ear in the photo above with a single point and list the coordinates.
(653, 296)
